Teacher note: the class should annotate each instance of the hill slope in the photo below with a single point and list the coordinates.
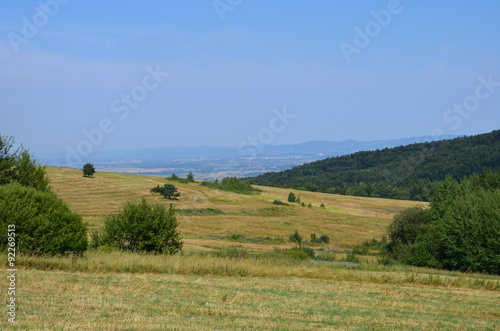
(203, 289)
(347, 220)
(405, 172)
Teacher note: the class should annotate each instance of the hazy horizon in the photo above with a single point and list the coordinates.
(271, 145)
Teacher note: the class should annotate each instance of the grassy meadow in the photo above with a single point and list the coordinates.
(232, 273)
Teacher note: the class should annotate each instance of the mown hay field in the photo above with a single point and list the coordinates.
(227, 278)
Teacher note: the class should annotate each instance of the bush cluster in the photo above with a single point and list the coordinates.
(44, 224)
(141, 227)
(461, 230)
(232, 184)
(189, 178)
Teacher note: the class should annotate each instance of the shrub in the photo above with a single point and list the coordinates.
(309, 205)
(168, 191)
(324, 238)
(44, 224)
(291, 197)
(328, 256)
(360, 249)
(143, 227)
(189, 178)
(235, 236)
(200, 211)
(233, 252)
(386, 260)
(351, 257)
(279, 203)
(405, 228)
(313, 238)
(294, 253)
(173, 177)
(322, 206)
(309, 251)
(296, 238)
(232, 184)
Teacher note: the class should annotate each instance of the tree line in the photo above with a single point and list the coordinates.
(460, 230)
(410, 172)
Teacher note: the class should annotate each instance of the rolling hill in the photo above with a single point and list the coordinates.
(347, 220)
(405, 172)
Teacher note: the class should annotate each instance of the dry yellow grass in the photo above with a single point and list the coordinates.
(347, 220)
(53, 300)
(198, 291)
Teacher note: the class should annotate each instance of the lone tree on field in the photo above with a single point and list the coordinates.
(142, 227)
(168, 191)
(291, 197)
(88, 170)
(190, 177)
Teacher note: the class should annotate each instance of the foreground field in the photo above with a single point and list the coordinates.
(121, 291)
(233, 273)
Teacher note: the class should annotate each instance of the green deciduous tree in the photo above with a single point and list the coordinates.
(168, 191)
(43, 223)
(88, 170)
(143, 227)
(471, 232)
(19, 166)
(405, 228)
(461, 231)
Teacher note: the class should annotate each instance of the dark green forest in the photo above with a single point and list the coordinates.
(409, 172)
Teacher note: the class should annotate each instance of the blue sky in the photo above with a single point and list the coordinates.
(419, 68)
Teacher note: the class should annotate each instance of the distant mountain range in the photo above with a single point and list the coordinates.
(215, 162)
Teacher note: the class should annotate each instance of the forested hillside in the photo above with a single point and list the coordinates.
(407, 172)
